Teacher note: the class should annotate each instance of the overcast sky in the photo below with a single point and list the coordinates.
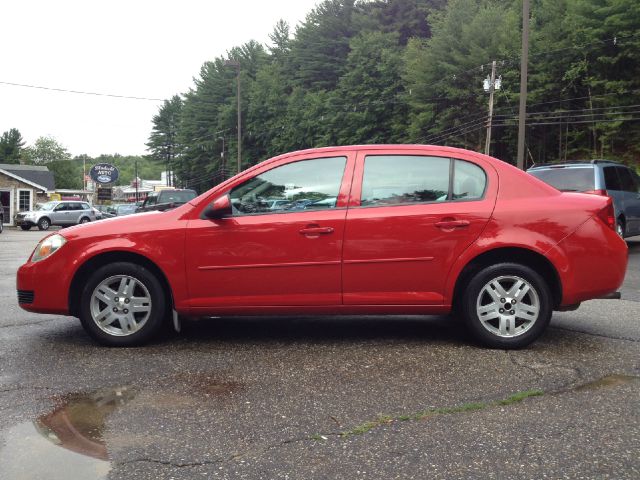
(139, 48)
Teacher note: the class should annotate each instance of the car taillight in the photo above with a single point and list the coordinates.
(597, 192)
(608, 216)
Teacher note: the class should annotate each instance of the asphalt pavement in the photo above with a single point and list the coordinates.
(315, 398)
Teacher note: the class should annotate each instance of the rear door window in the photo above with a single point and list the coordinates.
(568, 179)
(469, 181)
(404, 179)
(626, 179)
(611, 178)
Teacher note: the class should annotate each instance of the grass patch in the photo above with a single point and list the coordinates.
(520, 396)
(432, 412)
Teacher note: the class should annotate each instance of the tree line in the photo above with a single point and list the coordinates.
(411, 71)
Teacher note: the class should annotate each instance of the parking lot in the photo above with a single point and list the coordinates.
(314, 397)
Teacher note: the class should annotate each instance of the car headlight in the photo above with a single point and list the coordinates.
(48, 247)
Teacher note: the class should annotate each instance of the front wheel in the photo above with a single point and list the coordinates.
(122, 305)
(507, 305)
(84, 220)
(620, 227)
(25, 227)
(44, 224)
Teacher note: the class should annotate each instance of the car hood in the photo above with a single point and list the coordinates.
(123, 226)
(34, 212)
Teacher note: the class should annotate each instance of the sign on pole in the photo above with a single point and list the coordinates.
(104, 173)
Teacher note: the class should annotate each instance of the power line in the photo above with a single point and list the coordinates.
(575, 122)
(97, 94)
(453, 132)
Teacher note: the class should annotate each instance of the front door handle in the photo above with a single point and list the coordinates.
(452, 224)
(316, 230)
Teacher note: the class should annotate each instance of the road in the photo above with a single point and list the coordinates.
(307, 398)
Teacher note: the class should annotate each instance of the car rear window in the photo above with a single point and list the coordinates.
(568, 179)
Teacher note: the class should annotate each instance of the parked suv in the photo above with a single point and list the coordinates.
(63, 213)
(601, 177)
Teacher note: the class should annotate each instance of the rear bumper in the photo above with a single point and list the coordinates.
(591, 262)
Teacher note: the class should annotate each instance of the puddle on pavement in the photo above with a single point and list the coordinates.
(66, 443)
(607, 382)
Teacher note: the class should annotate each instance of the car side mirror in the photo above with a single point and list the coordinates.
(219, 208)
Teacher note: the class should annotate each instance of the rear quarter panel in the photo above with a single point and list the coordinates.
(531, 215)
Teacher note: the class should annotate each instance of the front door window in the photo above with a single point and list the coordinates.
(304, 185)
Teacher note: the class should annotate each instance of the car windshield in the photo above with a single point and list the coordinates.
(46, 206)
(126, 209)
(570, 179)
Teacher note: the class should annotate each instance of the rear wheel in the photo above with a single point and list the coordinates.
(122, 304)
(506, 305)
(44, 224)
(620, 227)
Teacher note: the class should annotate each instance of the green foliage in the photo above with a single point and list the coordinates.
(163, 141)
(45, 150)
(66, 173)
(400, 71)
(11, 144)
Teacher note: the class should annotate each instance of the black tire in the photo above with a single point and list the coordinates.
(530, 330)
(1, 224)
(25, 227)
(621, 228)
(157, 314)
(84, 220)
(44, 223)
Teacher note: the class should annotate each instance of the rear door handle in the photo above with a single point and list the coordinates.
(316, 230)
(451, 224)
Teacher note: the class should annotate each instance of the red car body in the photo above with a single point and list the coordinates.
(400, 259)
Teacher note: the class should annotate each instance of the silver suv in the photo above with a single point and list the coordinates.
(63, 213)
(600, 177)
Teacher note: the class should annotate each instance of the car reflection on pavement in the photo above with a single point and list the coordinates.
(76, 425)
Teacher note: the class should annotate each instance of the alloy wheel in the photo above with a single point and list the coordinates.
(508, 306)
(120, 305)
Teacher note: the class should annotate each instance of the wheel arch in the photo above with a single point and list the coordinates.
(536, 261)
(90, 265)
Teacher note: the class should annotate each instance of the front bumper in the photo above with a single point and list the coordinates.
(43, 286)
(20, 221)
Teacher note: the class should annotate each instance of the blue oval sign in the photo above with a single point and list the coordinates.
(104, 173)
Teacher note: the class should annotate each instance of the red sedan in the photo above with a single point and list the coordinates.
(379, 229)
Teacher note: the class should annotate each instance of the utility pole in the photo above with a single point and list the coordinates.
(524, 60)
(136, 169)
(492, 88)
(222, 157)
(236, 65)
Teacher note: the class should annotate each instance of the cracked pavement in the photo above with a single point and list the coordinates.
(267, 398)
